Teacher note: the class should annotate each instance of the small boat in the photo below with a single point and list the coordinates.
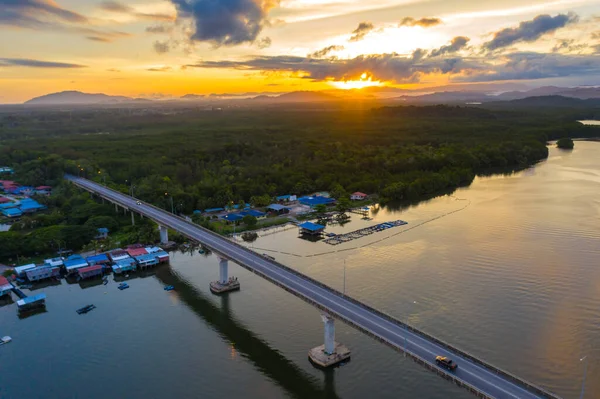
(5, 340)
(105, 280)
(169, 288)
(123, 286)
(86, 309)
(26, 286)
(201, 251)
(330, 234)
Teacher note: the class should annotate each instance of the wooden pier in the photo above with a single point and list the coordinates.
(342, 238)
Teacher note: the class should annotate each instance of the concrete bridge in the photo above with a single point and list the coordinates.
(482, 379)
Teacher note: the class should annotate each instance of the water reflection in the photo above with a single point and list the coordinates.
(243, 341)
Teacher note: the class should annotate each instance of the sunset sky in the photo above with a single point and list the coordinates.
(168, 48)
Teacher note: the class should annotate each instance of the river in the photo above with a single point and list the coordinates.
(507, 268)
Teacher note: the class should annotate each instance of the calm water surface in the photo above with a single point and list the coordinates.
(508, 269)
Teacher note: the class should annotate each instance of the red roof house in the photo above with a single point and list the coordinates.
(358, 196)
(137, 251)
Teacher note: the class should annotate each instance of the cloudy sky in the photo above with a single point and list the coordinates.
(160, 48)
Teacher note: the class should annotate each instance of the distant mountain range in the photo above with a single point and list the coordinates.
(77, 97)
(475, 94)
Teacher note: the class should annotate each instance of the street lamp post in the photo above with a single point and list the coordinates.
(172, 207)
(406, 331)
(344, 291)
(583, 359)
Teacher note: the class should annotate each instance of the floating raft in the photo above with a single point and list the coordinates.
(353, 235)
(86, 309)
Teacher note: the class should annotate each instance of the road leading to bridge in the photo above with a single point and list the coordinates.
(474, 374)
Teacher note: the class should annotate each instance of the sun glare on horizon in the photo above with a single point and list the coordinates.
(364, 81)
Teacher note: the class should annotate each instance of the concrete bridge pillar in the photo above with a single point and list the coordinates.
(132, 219)
(329, 334)
(331, 352)
(225, 283)
(164, 234)
(116, 208)
(223, 271)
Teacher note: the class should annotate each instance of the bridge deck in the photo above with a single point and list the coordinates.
(480, 378)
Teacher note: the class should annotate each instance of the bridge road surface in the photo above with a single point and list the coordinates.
(476, 376)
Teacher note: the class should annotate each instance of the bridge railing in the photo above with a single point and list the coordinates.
(532, 387)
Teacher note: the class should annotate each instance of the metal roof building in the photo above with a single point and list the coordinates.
(137, 251)
(118, 255)
(99, 259)
(314, 201)
(32, 302)
(124, 265)
(214, 210)
(75, 262)
(12, 212)
(20, 270)
(146, 260)
(311, 228)
(5, 286)
(54, 261)
(42, 272)
(252, 212)
(90, 271)
(232, 217)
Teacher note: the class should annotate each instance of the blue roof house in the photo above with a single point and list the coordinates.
(102, 233)
(253, 212)
(233, 217)
(311, 228)
(12, 212)
(28, 205)
(279, 209)
(314, 201)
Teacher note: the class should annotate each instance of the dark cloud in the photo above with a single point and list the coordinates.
(161, 69)
(98, 39)
(265, 42)
(48, 16)
(568, 46)
(457, 44)
(117, 7)
(596, 35)
(423, 22)
(226, 22)
(385, 67)
(159, 28)
(325, 51)
(15, 11)
(530, 65)
(113, 70)
(23, 62)
(529, 31)
(412, 68)
(363, 29)
(162, 47)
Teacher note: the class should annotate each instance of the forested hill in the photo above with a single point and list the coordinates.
(205, 159)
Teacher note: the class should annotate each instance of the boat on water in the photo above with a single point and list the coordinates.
(5, 340)
(105, 280)
(123, 286)
(330, 234)
(169, 288)
(86, 309)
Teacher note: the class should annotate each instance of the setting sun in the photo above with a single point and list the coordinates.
(365, 81)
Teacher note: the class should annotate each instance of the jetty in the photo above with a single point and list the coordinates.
(353, 235)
